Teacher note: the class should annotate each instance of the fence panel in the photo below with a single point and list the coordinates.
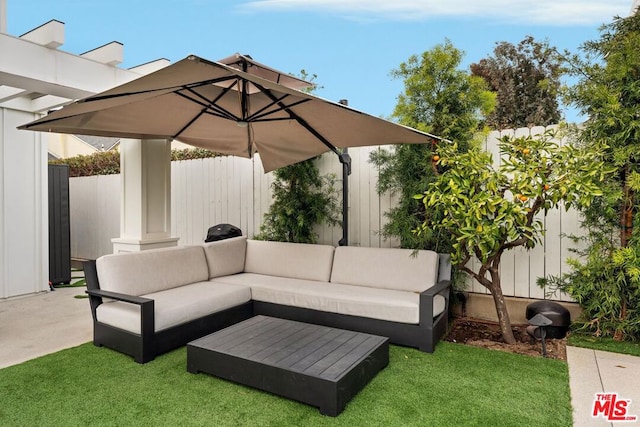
(233, 190)
(94, 209)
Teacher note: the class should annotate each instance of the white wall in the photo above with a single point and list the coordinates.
(24, 264)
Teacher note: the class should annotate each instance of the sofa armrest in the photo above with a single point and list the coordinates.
(437, 288)
(426, 302)
(96, 294)
(147, 309)
(118, 296)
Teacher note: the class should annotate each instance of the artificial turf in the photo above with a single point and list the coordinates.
(455, 386)
(604, 344)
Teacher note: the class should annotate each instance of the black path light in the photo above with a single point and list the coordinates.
(540, 323)
(547, 319)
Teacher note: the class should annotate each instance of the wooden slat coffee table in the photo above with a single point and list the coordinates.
(317, 365)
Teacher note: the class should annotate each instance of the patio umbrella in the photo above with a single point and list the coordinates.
(237, 109)
(224, 109)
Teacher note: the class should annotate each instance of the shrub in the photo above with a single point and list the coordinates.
(108, 162)
(605, 281)
(302, 198)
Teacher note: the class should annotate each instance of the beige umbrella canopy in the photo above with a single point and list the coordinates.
(247, 64)
(229, 111)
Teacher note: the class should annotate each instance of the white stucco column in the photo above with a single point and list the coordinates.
(145, 213)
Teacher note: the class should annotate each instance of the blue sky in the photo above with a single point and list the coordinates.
(352, 45)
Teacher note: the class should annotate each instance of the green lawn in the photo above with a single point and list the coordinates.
(604, 344)
(455, 386)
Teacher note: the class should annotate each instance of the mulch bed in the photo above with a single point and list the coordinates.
(481, 333)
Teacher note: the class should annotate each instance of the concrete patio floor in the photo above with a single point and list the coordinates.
(36, 325)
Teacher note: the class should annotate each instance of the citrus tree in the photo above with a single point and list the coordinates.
(489, 210)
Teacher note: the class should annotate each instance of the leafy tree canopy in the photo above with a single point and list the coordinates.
(440, 98)
(526, 79)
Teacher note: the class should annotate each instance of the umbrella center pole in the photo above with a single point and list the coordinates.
(345, 160)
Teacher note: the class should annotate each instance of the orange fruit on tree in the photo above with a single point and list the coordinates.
(526, 151)
(523, 198)
(436, 158)
(546, 187)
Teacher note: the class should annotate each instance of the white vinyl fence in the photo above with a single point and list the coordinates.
(234, 190)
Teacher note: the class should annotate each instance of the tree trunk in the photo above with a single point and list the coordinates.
(501, 307)
(626, 214)
(619, 334)
(626, 231)
(494, 286)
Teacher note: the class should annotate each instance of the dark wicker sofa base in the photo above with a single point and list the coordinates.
(144, 348)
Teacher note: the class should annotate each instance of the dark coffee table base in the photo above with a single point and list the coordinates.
(316, 365)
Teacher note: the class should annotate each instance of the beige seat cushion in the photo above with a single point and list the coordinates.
(375, 303)
(141, 273)
(293, 260)
(386, 268)
(175, 306)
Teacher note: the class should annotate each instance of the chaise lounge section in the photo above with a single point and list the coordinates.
(147, 303)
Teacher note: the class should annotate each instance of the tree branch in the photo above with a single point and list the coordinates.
(480, 279)
(537, 204)
(515, 243)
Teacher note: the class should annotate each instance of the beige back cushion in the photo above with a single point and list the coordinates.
(397, 269)
(141, 273)
(225, 257)
(294, 260)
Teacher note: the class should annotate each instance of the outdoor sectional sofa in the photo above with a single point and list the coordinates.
(147, 303)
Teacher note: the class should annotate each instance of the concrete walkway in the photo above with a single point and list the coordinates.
(40, 324)
(592, 372)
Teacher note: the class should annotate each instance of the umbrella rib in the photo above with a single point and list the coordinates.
(197, 116)
(274, 119)
(169, 88)
(219, 112)
(299, 119)
(210, 104)
(258, 115)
